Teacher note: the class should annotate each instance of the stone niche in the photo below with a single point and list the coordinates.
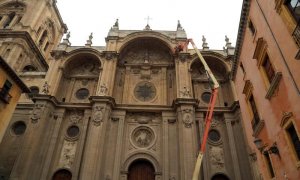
(143, 132)
(144, 72)
(79, 79)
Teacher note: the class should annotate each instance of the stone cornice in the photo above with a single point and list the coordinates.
(240, 36)
(106, 99)
(26, 36)
(13, 75)
(185, 101)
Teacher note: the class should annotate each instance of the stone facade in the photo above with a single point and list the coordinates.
(100, 109)
(267, 79)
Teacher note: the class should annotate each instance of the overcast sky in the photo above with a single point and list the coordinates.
(213, 19)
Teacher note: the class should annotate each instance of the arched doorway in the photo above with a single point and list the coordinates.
(62, 174)
(141, 170)
(219, 177)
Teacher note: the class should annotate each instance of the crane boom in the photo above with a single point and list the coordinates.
(214, 86)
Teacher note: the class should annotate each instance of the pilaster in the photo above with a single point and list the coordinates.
(184, 85)
(187, 136)
(93, 158)
(30, 162)
(229, 119)
(106, 83)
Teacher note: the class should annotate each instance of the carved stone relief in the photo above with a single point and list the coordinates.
(103, 90)
(185, 93)
(86, 68)
(36, 112)
(187, 118)
(142, 137)
(147, 55)
(67, 154)
(217, 157)
(76, 116)
(143, 117)
(98, 115)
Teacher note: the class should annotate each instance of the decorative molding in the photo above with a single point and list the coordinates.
(171, 121)
(257, 129)
(76, 116)
(183, 57)
(37, 112)
(260, 49)
(98, 115)
(110, 55)
(114, 119)
(103, 90)
(278, 5)
(217, 157)
(285, 117)
(247, 88)
(143, 137)
(253, 157)
(274, 85)
(187, 118)
(185, 93)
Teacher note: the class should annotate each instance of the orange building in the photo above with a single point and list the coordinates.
(266, 71)
(11, 87)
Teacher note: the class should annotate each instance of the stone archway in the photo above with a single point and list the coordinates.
(219, 177)
(141, 170)
(62, 174)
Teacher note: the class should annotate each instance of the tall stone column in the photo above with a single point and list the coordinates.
(229, 118)
(106, 83)
(187, 136)
(57, 118)
(93, 158)
(120, 117)
(184, 85)
(39, 132)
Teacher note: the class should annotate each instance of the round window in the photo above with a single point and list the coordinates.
(145, 91)
(19, 128)
(82, 93)
(73, 131)
(206, 97)
(214, 135)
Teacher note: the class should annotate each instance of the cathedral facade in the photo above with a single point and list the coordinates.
(132, 109)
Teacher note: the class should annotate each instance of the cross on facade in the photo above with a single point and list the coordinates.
(148, 19)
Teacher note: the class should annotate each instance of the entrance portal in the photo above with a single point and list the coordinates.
(141, 170)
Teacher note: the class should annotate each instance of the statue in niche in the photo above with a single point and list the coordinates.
(98, 115)
(45, 88)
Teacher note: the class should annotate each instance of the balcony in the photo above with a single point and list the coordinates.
(5, 96)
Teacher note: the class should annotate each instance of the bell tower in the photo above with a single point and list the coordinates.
(29, 30)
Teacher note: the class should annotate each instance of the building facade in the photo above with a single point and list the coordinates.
(11, 89)
(267, 79)
(128, 109)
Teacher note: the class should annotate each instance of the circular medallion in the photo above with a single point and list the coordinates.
(144, 91)
(82, 93)
(73, 131)
(206, 97)
(142, 137)
(18, 128)
(214, 135)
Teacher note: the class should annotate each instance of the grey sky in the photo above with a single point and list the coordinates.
(213, 19)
